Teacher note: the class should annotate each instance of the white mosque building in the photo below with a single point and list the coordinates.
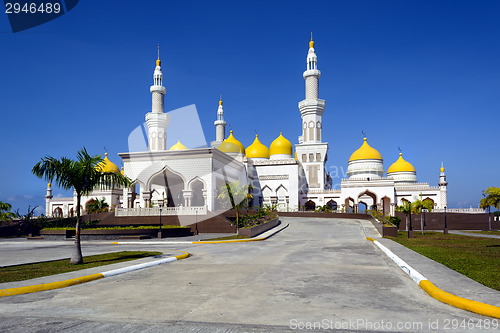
(185, 181)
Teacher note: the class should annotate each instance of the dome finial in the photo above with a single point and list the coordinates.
(442, 167)
(311, 43)
(158, 61)
(220, 99)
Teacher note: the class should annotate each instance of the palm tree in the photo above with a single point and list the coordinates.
(97, 206)
(405, 208)
(234, 196)
(82, 175)
(491, 197)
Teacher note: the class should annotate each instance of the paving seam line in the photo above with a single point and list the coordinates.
(204, 242)
(441, 295)
(87, 278)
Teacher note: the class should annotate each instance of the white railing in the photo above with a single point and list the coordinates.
(460, 210)
(155, 211)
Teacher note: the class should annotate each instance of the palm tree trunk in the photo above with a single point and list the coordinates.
(76, 257)
(407, 222)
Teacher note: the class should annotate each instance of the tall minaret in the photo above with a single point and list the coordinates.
(157, 120)
(443, 197)
(311, 150)
(220, 126)
(48, 198)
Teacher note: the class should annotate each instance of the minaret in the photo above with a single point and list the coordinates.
(443, 198)
(311, 108)
(48, 198)
(157, 120)
(311, 150)
(220, 125)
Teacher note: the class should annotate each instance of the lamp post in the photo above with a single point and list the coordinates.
(445, 231)
(410, 230)
(422, 220)
(159, 232)
(196, 220)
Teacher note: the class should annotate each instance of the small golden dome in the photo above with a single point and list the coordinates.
(311, 44)
(365, 152)
(401, 166)
(442, 167)
(233, 140)
(257, 149)
(229, 147)
(106, 165)
(158, 62)
(220, 101)
(178, 146)
(281, 146)
(49, 185)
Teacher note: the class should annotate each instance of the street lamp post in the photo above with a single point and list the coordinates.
(196, 220)
(410, 230)
(445, 231)
(159, 232)
(422, 220)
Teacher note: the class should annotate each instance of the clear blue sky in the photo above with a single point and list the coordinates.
(422, 75)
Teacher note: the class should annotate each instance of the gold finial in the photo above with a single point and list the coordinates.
(49, 185)
(220, 99)
(442, 167)
(311, 43)
(158, 61)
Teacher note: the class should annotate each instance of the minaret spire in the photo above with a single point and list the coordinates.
(157, 120)
(220, 124)
(443, 186)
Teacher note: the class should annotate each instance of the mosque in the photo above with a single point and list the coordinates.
(183, 181)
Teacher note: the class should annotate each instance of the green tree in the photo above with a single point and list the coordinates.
(416, 208)
(491, 198)
(97, 206)
(405, 208)
(83, 177)
(236, 196)
(5, 213)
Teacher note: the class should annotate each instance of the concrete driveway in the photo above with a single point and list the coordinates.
(321, 273)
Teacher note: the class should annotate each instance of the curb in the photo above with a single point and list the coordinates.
(87, 278)
(441, 295)
(205, 242)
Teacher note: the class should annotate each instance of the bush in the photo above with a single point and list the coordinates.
(395, 220)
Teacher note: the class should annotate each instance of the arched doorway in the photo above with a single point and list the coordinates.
(169, 183)
(429, 201)
(332, 205)
(58, 212)
(369, 199)
(197, 199)
(362, 207)
(349, 205)
(386, 205)
(310, 205)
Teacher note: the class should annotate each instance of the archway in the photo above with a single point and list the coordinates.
(430, 201)
(58, 212)
(169, 183)
(310, 205)
(332, 204)
(349, 205)
(362, 207)
(369, 199)
(90, 202)
(197, 199)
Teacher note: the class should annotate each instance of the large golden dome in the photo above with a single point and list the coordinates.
(281, 146)
(229, 147)
(178, 146)
(106, 165)
(233, 140)
(257, 149)
(401, 166)
(365, 152)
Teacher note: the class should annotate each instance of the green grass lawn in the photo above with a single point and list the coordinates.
(492, 232)
(31, 271)
(476, 258)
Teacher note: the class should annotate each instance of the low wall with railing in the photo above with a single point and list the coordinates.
(165, 211)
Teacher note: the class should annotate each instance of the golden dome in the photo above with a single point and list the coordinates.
(257, 149)
(178, 146)
(106, 165)
(49, 185)
(442, 167)
(233, 140)
(365, 152)
(311, 43)
(220, 101)
(158, 62)
(281, 146)
(229, 147)
(401, 166)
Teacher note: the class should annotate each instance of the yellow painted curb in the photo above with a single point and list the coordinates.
(182, 256)
(370, 239)
(50, 286)
(230, 241)
(460, 302)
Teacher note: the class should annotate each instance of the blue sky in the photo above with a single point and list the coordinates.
(422, 75)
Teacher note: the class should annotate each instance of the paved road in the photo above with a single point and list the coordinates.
(315, 271)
